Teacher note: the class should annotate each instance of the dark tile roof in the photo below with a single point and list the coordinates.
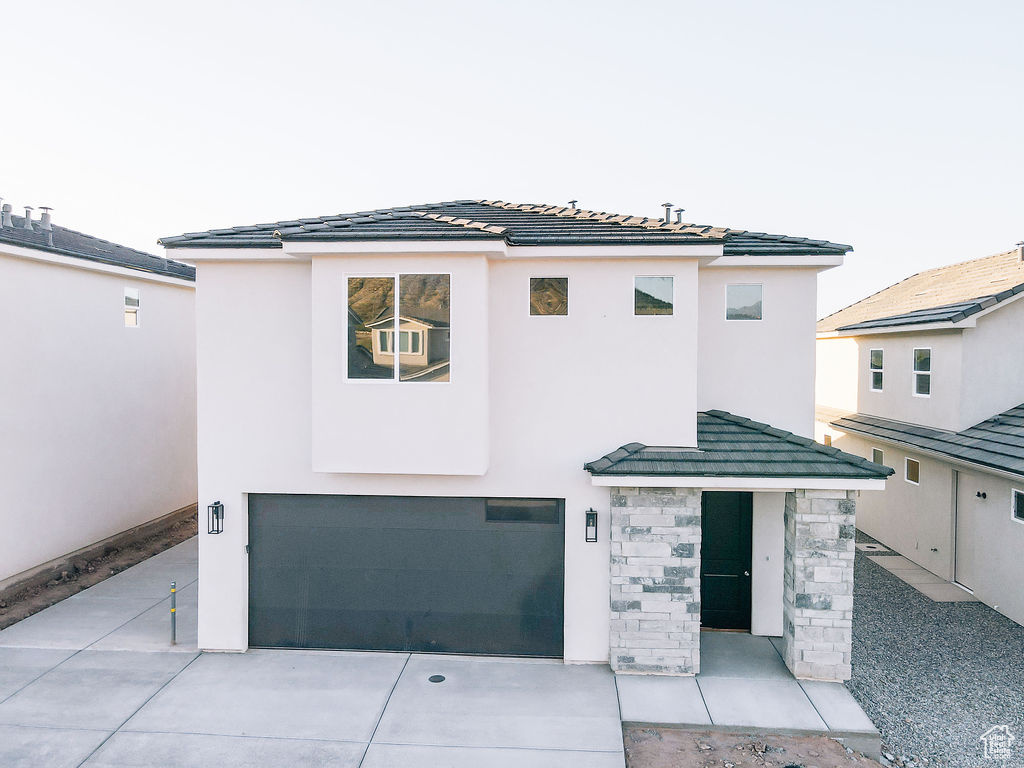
(997, 443)
(68, 242)
(512, 223)
(732, 446)
(945, 294)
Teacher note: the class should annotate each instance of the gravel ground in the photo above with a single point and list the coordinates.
(934, 676)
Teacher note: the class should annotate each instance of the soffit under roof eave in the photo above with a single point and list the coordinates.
(741, 483)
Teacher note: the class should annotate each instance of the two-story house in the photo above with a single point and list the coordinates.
(97, 395)
(410, 424)
(927, 376)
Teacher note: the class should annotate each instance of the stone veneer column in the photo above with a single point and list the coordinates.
(818, 593)
(655, 580)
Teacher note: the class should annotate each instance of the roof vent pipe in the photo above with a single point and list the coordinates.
(668, 211)
(27, 224)
(572, 204)
(5, 216)
(1020, 250)
(44, 220)
(679, 215)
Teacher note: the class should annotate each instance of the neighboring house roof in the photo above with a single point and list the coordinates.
(68, 242)
(732, 446)
(997, 443)
(515, 224)
(421, 320)
(945, 294)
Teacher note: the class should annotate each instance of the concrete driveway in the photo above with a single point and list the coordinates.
(92, 681)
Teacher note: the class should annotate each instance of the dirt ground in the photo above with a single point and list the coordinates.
(84, 573)
(676, 748)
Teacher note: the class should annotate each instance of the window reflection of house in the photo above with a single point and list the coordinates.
(423, 346)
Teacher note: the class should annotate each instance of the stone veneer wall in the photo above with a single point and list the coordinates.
(818, 591)
(655, 580)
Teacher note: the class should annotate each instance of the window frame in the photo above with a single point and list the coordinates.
(654, 314)
(136, 310)
(743, 319)
(529, 293)
(1016, 493)
(872, 370)
(881, 455)
(396, 330)
(906, 470)
(914, 373)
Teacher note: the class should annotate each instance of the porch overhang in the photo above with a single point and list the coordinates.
(740, 483)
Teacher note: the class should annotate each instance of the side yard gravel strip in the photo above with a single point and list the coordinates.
(934, 676)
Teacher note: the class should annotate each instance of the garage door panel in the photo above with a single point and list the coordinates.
(403, 573)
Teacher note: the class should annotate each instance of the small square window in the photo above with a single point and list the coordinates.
(549, 296)
(131, 307)
(1017, 508)
(875, 363)
(744, 302)
(652, 296)
(877, 456)
(913, 471)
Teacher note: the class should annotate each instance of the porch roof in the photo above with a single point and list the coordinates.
(733, 446)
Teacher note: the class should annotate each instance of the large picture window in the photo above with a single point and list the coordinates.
(412, 344)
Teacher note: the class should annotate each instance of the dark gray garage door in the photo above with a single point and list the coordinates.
(448, 575)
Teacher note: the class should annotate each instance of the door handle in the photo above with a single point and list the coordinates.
(746, 573)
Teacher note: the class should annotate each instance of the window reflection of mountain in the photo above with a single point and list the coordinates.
(749, 312)
(645, 304)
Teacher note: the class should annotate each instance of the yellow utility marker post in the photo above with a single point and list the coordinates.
(174, 611)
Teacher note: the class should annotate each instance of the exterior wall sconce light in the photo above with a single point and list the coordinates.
(591, 526)
(215, 517)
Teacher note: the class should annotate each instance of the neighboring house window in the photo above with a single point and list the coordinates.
(877, 456)
(131, 307)
(652, 295)
(1017, 508)
(828, 439)
(744, 301)
(549, 296)
(923, 372)
(875, 363)
(422, 324)
(913, 471)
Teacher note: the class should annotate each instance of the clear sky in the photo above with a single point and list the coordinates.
(893, 126)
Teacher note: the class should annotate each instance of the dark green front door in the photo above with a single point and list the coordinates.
(725, 559)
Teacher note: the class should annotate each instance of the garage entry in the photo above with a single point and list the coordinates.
(407, 573)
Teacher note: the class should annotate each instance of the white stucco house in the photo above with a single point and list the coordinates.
(927, 377)
(617, 455)
(97, 395)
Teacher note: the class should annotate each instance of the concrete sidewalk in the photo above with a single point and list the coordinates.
(744, 685)
(92, 681)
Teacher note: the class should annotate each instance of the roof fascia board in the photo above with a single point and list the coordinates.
(944, 325)
(930, 453)
(822, 261)
(31, 254)
(194, 255)
(613, 251)
(742, 483)
(306, 248)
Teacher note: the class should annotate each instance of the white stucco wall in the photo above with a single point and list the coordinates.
(837, 378)
(993, 364)
(768, 565)
(763, 370)
(97, 421)
(553, 392)
(912, 519)
(994, 568)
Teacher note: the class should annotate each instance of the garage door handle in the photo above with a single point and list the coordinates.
(746, 573)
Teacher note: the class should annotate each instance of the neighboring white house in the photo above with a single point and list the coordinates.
(97, 392)
(927, 377)
(491, 510)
